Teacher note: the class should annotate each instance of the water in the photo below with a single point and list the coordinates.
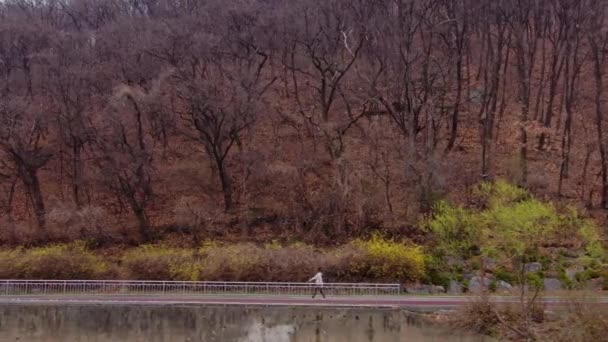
(190, 323)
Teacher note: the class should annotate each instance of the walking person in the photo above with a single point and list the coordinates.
(318, 279)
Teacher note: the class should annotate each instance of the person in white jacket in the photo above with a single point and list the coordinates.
(318, 279)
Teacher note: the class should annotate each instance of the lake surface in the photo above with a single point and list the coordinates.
(181, 323)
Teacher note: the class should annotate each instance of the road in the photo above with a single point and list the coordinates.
(414, 303)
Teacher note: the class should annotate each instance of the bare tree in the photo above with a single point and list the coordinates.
(23, 151)
(598, 41)
(320, 54)
(496, 37)
(525, 27)
(574, 57)
(74, 91)
(456, 40)
(559, 23)
(409, 76)
(219, 89)
(24, 121)
(125, 153)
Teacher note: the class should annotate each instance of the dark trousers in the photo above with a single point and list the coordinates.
(318, 288)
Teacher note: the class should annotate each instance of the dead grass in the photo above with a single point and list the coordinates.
(581, 320)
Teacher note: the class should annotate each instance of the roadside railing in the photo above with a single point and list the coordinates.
(181, 288)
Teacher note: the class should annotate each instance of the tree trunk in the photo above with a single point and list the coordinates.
(76, 174)
(456, 112)
(524, 98)
(32, 185)
(566, 144)
(142, 221)
(538, 110)
(523, 150)
(599, 121)
(226, 184)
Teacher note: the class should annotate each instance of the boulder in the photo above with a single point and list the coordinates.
(455, 288)
(552, 284)
(503, 286)
(573, 271)
(475, 284)
(595, 284)
(533, 267)
(489, 264)
(438, 289)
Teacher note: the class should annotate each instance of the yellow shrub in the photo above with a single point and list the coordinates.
(8, 263)
(296, 262)
(386, 260)
(240, 261)
(154, 262)
(273, 262)
(62, 261)
(500, 193)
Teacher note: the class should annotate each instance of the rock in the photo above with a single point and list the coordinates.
(438, 289)
(573, 271)
(475, 284)
(425, 289)
(552, 274)
(532, 267)
(595, 284)
(552, 284)
(489, 264)
(455, 261)
(469, 275)
(503, 286)
(568, 253)
(455, 288)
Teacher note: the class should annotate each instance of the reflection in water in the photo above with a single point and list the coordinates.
(193, 323)
(279, 333)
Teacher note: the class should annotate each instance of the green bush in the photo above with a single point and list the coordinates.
(517, 229)
(155, 262)
(502, 273)
(455, 229)
(500, 193)
(382, 259)
(62, 261)
(534, 280)
(512, 227)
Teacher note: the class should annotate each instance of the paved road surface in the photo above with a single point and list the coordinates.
(418, 303)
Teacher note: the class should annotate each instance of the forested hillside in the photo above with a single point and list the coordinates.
(123, 121)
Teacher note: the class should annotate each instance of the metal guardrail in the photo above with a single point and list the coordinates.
(128, 287)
